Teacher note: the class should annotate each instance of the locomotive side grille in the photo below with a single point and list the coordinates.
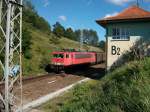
(79, 56)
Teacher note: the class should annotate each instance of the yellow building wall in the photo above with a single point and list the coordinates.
(137, 30)
(116, 48)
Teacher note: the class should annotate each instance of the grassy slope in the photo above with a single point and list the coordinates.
(124, 90)
(42, 46)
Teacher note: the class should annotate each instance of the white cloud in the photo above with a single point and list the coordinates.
(120, 2)
(63, 18)
(46, 3)
(111, 15)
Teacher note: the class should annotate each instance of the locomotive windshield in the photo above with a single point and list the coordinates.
(58, 55)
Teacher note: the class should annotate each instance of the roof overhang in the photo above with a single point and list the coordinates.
(104, 22)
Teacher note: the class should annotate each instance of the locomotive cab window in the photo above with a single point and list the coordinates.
(58, 56)
(120, 34)
(55, 55)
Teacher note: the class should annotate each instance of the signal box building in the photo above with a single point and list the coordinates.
(123, 30)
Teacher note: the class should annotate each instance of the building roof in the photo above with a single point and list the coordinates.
(133, 13)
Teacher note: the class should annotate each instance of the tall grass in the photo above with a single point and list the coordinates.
(126, 89)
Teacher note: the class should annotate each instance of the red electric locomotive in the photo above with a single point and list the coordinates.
(64, 59)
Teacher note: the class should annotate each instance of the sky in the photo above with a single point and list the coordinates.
(81, 14)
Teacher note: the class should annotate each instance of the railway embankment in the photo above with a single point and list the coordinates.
(39, 42)
(40, 89)
(125, 89)
(41, 52)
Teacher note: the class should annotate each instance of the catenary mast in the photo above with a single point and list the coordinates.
(10, 54)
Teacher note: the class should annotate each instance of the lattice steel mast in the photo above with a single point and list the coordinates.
(11, 53)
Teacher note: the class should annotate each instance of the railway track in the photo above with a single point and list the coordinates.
(38, 86)
(86, 72)
(30, 79)
(34, 78)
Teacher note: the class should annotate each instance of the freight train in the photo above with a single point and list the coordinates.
(65, 59)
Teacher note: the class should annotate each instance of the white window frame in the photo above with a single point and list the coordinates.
(120, 36)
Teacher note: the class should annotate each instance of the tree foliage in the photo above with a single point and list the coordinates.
(28, 5)
(69, 33)
(58, 29)
(78, 34)
(102, 44)
(88, 36)
(26, 43)
(119, 91)
(31, 16)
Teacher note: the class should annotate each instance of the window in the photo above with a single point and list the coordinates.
(58, 56)
(67, 55)
(120, 34)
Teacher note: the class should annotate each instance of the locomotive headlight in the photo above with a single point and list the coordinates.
(56, 63)
(59, 63)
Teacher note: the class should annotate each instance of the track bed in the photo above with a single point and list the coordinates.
(36, 87)
(39, 88)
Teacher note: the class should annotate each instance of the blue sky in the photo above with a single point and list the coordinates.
(80, 14)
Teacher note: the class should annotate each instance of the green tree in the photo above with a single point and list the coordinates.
(58, 29)
(28, 5)
(26, 43)
(89, 36)
(69, 33)
(93, 37)
(42, 24)
(77, 35)
(102, 44)
(30, 16)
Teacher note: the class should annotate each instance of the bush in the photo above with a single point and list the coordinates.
(44, 62)
(26, 43)
(28, 55)
(124, 90)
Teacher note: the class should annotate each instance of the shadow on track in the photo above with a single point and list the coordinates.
(93, 72)
(87, 71)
